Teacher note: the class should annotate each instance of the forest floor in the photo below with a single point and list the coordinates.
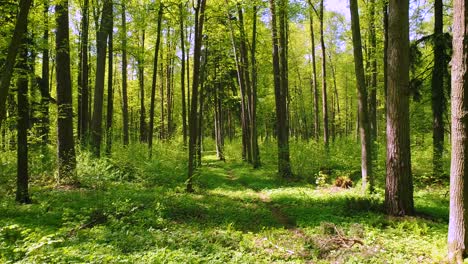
(236, 215)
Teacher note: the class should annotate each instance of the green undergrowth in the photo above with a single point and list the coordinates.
(129, 209)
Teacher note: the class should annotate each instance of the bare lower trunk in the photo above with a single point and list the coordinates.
(366, 162)
(399, 182)
(458, 221)
(65, 144)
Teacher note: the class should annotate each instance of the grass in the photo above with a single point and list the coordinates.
(131, 210)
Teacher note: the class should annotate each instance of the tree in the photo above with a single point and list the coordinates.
(22, 179)
(458, 222)
(153, 84)
(366, 162)
(324, 80)
(65, 142)
(399, 182)
(110, 90)
(44, 83)
(15, 43)
(373, 72)
(314, 74)
(83, 84)
(124, 77)
(199, 20)
(182, 72)
(281, 87)
(102, 35)
(438, 98)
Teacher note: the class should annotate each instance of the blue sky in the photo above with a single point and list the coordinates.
(340, 6)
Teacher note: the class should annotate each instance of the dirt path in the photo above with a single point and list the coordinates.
(280, 217)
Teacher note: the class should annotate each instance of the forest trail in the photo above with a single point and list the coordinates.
(275, 209)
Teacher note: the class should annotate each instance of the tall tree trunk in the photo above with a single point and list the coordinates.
(364, 127)
(253, 100)
(153, 84)
(65, 144)
(246, 146)
(373, 73)
(44, 84)
(314, 76)
(22, 179)
(124, 77)
(438, 98)
(7, 70)
(83, 94)
(102, 35)
(199, 20)
(110, 90)
(399, 182)
(281, 85)
(182, 73)
(324, 80)
(218, 120)
(248, 85)
(385, 57)
(458, 220)
(141, 83)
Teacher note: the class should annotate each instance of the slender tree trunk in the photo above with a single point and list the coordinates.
(373, 73)
(438, 98)
(246, 146)
(153, 84)
(44, 85)
(66, 146)
(248, 86)
(110, 90)
(182, 73)
(385, 57)
(314, 76)
(324, 80)
(102, 35)
(83, 104)
(364, 127)
(253, 100)
(124, 77)
(218, 120)
(399, 182)
(281, 82)
(7, 70)
(458, 221)
(141, 82)
(22, 179)
(199, 20)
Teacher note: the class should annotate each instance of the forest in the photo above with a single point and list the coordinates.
(233, 131)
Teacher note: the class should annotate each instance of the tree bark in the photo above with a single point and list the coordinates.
(438, 97)
(22, 179)
(324, 81)
(153, 84)
(253, 100)
(373, 73)
(182, 73)
(65, 142)
(364, 128)
(110, 90)
(44, 85)
(124, 77)
(102, 35)
(314, 76)
(7, 70)
(458, 220)
(141, 83)
(399, 182)
(199, 20)
(281, 86)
